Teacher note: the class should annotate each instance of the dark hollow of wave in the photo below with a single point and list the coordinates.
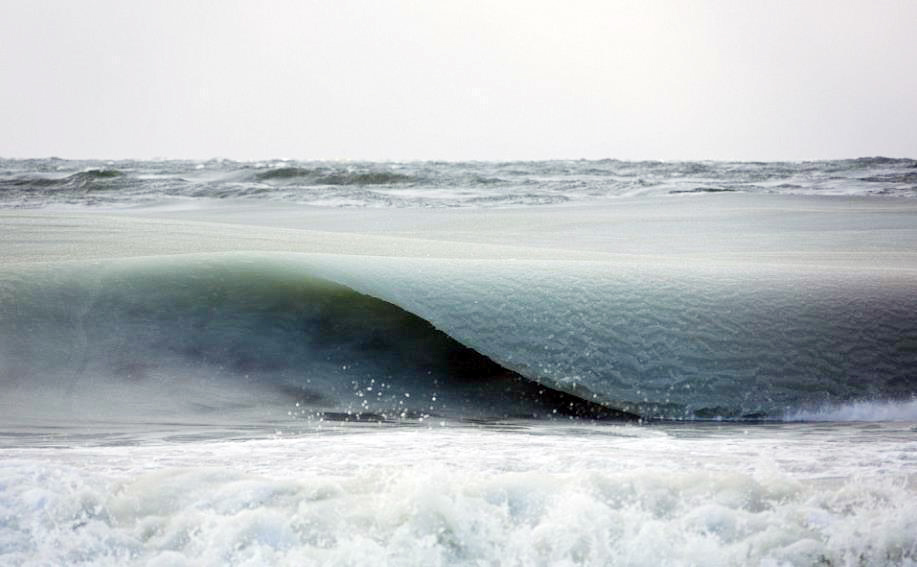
(216, 337)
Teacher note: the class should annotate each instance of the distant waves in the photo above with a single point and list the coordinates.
(37, 183)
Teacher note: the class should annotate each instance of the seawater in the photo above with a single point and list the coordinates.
(515, 493)
(339, 363)
(40, 182)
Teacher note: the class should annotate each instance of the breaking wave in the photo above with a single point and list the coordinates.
(332, 337)
(182, 338)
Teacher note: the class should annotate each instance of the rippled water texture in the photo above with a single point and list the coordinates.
(31, 183)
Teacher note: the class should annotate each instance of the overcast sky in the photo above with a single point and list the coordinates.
(436, 79)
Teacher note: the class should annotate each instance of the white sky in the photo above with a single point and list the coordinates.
(437, 79)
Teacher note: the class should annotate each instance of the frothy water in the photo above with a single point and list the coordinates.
(452, 495)
(900, 410)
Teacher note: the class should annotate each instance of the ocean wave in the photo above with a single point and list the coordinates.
(80, 179)
(284, 173)
(704, 190)
(224, 338)
(907, 177)
(332, 177)
(39, 183)
(377, 338)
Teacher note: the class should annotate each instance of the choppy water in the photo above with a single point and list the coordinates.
(32, 183)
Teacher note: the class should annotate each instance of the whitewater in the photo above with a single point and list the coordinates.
(525, 363)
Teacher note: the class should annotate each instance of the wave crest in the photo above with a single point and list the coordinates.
(332, 177)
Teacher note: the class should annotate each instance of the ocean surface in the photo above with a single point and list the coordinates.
(41, 182)
(523, 363)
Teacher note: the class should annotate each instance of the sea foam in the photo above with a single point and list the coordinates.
(460, 496)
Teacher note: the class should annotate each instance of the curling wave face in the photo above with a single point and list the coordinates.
(241, 337)
(273, 335)
(723, 306)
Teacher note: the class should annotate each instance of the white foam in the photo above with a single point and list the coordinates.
(788, 495)
(860, 411)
